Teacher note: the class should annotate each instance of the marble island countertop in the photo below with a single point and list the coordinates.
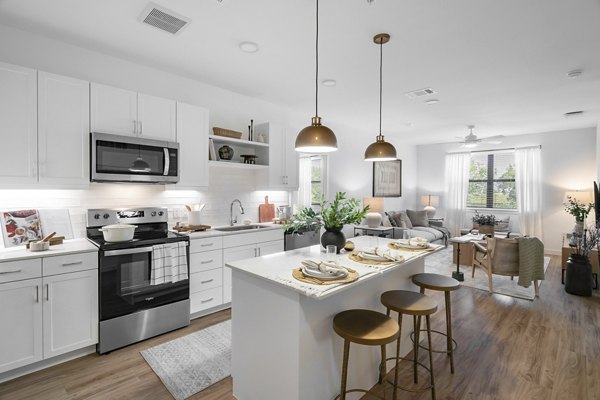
(68, 247)
(277, 268)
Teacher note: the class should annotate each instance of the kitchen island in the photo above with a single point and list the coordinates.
(283, 344)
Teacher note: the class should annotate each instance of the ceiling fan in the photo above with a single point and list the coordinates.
(472, 140)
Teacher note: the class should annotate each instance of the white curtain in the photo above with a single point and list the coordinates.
(305, 187)
(528, 179)
(457, 184)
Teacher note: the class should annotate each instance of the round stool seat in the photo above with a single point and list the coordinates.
(435, 282)
(409, 303)
(365, 327)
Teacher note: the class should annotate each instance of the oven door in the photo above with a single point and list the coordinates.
(117, 158)
(126, 286)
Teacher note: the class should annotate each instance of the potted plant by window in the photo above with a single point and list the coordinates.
(578, 276)
(333, 216)
(579, 210)
(484, 223)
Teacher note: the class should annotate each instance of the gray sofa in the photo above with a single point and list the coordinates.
(416, 223)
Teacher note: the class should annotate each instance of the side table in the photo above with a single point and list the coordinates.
(382, 231)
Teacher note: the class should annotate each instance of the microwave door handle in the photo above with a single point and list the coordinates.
(135, 250)
(167, 161)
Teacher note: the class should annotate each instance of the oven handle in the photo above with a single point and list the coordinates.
(123, 252)
(167, 161)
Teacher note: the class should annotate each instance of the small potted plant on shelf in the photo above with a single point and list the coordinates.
(484, 223)
(333, 216)
(578, 276)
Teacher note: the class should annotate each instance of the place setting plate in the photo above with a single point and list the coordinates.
(325, 276)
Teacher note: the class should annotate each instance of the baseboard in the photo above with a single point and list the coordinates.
(212, 310)
(27, 369)
(553, 252)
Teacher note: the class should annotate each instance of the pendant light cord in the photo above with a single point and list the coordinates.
(317, 65)
(380, 79)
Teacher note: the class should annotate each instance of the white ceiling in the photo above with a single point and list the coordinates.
(500, 65)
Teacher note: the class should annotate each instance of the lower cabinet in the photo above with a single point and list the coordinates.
(46, 316)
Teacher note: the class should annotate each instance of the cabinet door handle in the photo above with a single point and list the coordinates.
(72, 263)
(207, 281)
(207, 300)
(141, 128)
(37, 293)
(47, 292)
(10, 272)
(206, 245)
(207, 261)
(134, 127)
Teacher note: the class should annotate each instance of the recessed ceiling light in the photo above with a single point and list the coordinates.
(432, 101)
(329, 82)
(576, 73)
(249, 47)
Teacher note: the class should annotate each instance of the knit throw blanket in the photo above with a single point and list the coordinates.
(531, 260)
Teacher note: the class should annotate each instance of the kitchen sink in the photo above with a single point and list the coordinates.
(239, 228)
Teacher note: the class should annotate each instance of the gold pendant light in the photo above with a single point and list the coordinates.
(316, 138)
(380, 150)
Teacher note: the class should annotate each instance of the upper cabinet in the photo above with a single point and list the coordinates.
(192, 134)
(18, 124)
(124, 112)
(283, 159)
(63, 129)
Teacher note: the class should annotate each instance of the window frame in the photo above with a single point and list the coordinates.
(490, 185)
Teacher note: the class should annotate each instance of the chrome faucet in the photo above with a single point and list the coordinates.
(231, 220)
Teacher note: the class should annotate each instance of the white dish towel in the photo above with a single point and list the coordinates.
(169, 263)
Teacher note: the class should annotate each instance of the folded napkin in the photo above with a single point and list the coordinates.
(390, 254)
(324, 266)
(418, 241)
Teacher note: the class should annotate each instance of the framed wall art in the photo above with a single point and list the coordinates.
(387, 178)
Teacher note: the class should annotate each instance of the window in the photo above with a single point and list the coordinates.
(492, 180)
(316, 180)
(313, 180)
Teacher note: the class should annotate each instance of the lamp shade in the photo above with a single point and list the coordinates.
(316, 138)
(380, 150)
(375, 203)
(430, 200)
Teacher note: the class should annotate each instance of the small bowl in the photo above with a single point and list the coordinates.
(39, 246)
(247, 221)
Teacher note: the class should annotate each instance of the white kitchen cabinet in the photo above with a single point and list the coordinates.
(21, 316)
(63, 130)
(70, 312)
(125, 112)
(18, 124)
(192, 135)
(234, 254)
(270, 247)
(283, 158)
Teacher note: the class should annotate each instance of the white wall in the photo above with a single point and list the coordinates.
(568, 163)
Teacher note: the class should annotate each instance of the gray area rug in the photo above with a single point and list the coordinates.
(191, 363)
(441, 263)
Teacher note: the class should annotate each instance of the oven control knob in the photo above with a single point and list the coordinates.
(160, 213)
(106, 216)
(96, 216)
(153, 213)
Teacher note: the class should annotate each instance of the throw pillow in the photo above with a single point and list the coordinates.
(390, 218)
(385, 220)
(406, 222)
(418, 218)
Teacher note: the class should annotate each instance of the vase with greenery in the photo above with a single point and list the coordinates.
(332, 216)
(485, 223)
(579, 210)
(578, 274)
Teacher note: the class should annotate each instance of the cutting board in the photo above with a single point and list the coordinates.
(266, 211)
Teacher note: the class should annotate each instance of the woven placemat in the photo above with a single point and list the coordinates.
(396, 247)
(355, 257)
(351, 277)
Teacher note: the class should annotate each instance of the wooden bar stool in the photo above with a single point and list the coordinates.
(366, 327)
(445, 284)
(416, 304)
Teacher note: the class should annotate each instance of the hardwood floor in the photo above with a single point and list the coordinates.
(508, 349)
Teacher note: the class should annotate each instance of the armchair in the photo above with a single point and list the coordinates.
(501, 257)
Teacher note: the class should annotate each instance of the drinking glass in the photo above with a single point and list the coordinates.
(331, 250)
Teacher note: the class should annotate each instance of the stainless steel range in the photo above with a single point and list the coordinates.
(134, 303)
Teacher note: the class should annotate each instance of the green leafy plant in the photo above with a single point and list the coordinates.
(483, 219)
(333, 215)
(577, 209)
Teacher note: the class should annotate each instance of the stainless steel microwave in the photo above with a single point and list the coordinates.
(115, 158)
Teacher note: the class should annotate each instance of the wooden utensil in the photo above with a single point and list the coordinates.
(266, 211)
(48, 237)
(189, 208)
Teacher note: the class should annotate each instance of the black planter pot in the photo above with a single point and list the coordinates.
(578, 276)
(333, 236)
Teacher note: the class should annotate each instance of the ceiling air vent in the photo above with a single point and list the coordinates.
(420, 93)
(164, 19)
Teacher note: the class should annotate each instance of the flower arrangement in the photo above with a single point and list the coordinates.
(334, 215)
(577, 209)
(482, 219)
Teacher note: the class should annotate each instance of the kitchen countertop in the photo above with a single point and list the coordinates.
(277, 268)
(68, 247)
(213, 232)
